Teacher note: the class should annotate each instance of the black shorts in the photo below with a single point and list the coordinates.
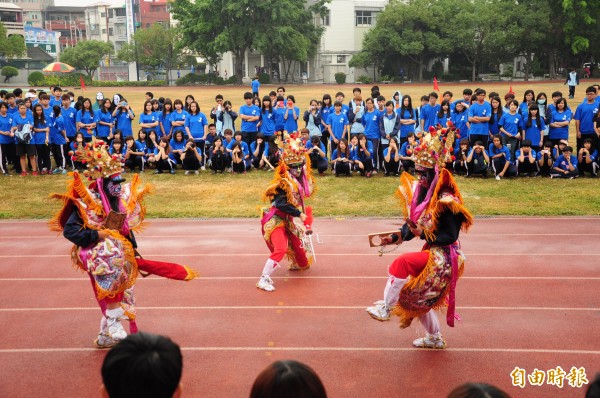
(25, 149)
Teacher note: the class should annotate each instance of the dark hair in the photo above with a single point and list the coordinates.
(55, 110)
(480, 91)
(190, 108)
(563, 100)
(356, 90)
(479, 143)
(500, 110)
(315, 139)
(409, 107)
(538, 121)
(441, 111)
(448, 92)
(388, 103)
(556, 94)
(146, 103)
(591, 89)
(142, 365)
(593, 390)
(477, 390)
(347, 151)
(568, 148)
(292, 98)
(38, 118)
(512, 102)
(467, 91)
(528, 92)
(248, 95)
(149, 94)
(167, 102)
(177, 133)
(337, 103)
(588, 141)
(17, 92)
(433, 94)
(380, 98)
(227, 131)
(288, 379)
(526, 143)
(90, 109)
(269, 107)
(326, 97)
(4, 104)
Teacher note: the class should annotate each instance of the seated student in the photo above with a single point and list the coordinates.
(501, 159)
(218, 157)
(565, 165)
(461, 154)
(526, 159)
(191, 157)
(244, 154)
(587, 158)
(341, 160)
(545, 160)
(162, 158)
(75, 143)
(362, 154)
(134, 155)
(210, 138)
(272, 155)
(478, 159)
(142, 365)
(227, 137)
(407, 153)
(316, 152)
(151, 145)
(391, 158)
(117, 148)
(257, 149)
(238, 162)
(177, 145)
(288, 379)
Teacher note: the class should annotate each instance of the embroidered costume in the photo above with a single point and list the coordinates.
(100, 220)
(434, 210)
(293, 183)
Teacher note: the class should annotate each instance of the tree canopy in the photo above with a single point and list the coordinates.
(86, 55)
(11, 46)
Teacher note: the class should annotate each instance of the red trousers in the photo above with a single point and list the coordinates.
(280, 239)
(409, 264)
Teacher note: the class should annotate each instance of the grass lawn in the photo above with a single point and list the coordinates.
(239, 195)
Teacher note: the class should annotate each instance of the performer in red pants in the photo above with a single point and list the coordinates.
(434, 211)
(293, 183)
(100, 220)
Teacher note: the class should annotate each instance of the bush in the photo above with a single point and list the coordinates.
(363, 79)
(9, 71)
(36, 79)
(67, 79)
(264, 78)
(208, 78)
(127, 84)
(340, 78)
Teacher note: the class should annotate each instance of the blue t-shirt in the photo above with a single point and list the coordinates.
(18, 120)
(164, 120)
(267, 123)
(585, 114)
(56, 129)
(342, 155)
(244, 145)
(124, 123)
(251, 110)
(493, 151)
(358, 153)
(370, 121)
(103, 130)
(54, 101)
(494, 125)
(561, 162)
(429, 115)
(479, 110)
(337, 123)
(512, 124)
(279, 120)
(150, 118)
(196, 124)
(5, 125)
(265, 150)
(178, 117)
(69, 115)
(460, 120)
(309, 145)
(405, 148)
(534, 133)
(85, 117)
(39, 137)
(255, 85)
(406, 128)
(325, 112)
(560, 133)
(291, 123)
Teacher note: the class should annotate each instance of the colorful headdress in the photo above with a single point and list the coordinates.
(94, 155)
(436, 147)
(292, 147)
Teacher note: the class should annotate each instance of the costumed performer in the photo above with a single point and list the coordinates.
(434, 211)
(100, 221)
(293, 183)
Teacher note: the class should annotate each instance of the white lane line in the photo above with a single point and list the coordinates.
(155, 278)
(320, 254)
(288, 307)
(321, 349)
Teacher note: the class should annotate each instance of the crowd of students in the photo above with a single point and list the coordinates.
(364, 136)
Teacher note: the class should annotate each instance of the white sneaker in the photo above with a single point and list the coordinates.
(113, 323)
(202, 168)
(265, 283)
(379, 311)
(498, 178)
(187, 172)
(104, 341)
(430, 341)
(196, 171)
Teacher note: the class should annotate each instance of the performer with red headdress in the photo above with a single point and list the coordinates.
(100, 220)
(293, 183)
(435, 212)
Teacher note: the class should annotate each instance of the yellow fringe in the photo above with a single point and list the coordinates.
(129, 256)
(404, 193)
(287, 185)
(191, 273)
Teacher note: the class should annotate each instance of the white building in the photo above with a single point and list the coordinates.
(32, 10)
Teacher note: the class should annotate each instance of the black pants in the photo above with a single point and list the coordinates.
(164, 164)
(317, 162)
(572, 91)
(591, 168)
(238, 167)
(191, 162)
(219, 161)
(460, 167)
(570, 174)
(341, 167)
(5, 157)
(477, 166)
(367, 166)
(391, 167)
(498, 166)
(134, 161)
(249, 137)
(43, 157)
(546, 166)
(527, 167)
(60, 153)
(407, 165)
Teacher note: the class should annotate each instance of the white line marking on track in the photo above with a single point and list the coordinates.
(323, 349)
(320, 254)
(155, 278)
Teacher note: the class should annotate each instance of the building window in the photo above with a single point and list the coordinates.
(102, 15)
(325, 18)
(341, 59)
(364, 18)
(111, 32)
(120, 12)
(110, 13)
(103, 31)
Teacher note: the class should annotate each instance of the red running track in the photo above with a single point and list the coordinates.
(528, 299)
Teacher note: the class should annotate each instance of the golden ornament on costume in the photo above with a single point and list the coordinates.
(292, 147)
(436, 146)
(99, 163)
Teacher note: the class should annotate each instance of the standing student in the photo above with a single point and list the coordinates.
(572, 81)
(178, 118)
(104, 120)
(355, 116)
(542, 102)
(389, 126)
(465, 100)
(370, 121)
(85, 120)
(255, 86)
(124, 116)
(527, 101)
(291, 115)
(559, 122)
(196, 126)
(534, 126)
(408, 118)
(216, 111)
(444, 114)
(41, 138)
(7, 139)
(479, 118)
(495, 116)
(312, 118)
(429, 112)
(460, 119)
(188, 100)
(326, 109)
(267, 118)
(227, 117)
(339, 96)
(337, 125)
(148, 118)
(58, 137)
(25, 149)
(511, 127)
(250, 115)
(584, 119)
(164, 121)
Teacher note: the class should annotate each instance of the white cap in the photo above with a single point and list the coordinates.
(30, 95)
(99, 96)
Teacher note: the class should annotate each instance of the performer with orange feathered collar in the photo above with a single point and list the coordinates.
(293, 183)
(100, 221)
(434, 211)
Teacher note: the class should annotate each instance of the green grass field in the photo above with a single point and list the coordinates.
(239, 195)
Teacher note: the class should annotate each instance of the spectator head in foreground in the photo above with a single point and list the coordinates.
(477, 390)
(142, 365)
(593, 390)
(288, 379)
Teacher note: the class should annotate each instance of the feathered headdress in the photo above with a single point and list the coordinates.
(292, 147)
(99, 163)
(436, 147)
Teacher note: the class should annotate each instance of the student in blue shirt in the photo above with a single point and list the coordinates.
(545, 159)
(565, 165)
(495, 116)
(461, 154)
(443, 114)
(267, 118)
(466, 99)
(326, 109)
(250, 115)
(362, 153)
(408, 118)
(58, 97)
(291, 115)
(177, 118)
(196, 126)
(479, 117)
(527, 100)
(478, 160)
(587, 159)
(337, 125)
(164, 120)
(141, 143)
(460, 119)
(240, 153)
(316, 152)
(134, 155)
(526, 159)
(69, 115)
(429, 112)
(407, 151)
(41, 138)
(534, 127)
(511, 127)
(257, 150)
(370, 121)
(177, 145)
(501, 159)
(341, 159)
(24, 150)
(584, 119)
(559, 122)
(7, 139)
(85, 120)
(124, 116)
(148, 118)
(255, 86)
(391, 158)
(104, 120)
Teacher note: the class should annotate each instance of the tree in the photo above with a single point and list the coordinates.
(580, 23)
(281, 27)
(156, 46)
(11, 46)
(8, 72)
(86, 55)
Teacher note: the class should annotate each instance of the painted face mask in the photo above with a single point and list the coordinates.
(114, 189)
(116, 99)
(296, 170)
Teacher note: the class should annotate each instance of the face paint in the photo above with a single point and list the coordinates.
(114, 189)
(296, 170)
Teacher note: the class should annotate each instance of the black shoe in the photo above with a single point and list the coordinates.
(172, 171)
